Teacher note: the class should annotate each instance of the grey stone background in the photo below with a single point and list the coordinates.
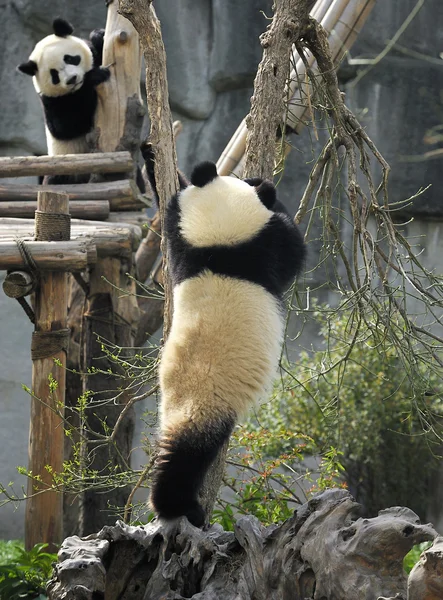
(213, 52)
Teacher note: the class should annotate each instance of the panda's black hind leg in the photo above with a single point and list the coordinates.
(196, 515)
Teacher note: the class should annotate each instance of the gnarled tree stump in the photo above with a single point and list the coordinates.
(323, 552)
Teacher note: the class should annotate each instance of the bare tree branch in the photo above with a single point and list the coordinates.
(268, 102)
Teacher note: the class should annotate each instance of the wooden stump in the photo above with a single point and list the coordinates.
(323, 551)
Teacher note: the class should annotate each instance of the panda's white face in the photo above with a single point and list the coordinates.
(61, 63)
(226, 211)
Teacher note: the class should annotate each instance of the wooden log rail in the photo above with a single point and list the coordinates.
(122, 194)
(116, 239)
(55, 256)
(93, 209)
(68, 164)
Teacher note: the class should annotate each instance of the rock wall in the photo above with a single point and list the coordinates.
(213, 52)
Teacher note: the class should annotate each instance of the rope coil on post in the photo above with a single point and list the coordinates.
(48, 343)
(17, 285)
(52, 227)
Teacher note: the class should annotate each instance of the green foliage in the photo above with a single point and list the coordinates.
(267, 487)
(382, 416)
(9, 551)
(24, 574)
(412, 557)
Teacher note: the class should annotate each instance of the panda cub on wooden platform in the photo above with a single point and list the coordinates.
(231, 256)
(66, 71)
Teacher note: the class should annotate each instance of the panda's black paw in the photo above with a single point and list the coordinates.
(98, 75)
(96, 38)
(147, 151)
(196, 515)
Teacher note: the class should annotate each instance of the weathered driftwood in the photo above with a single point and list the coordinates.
(68, 164)
(52, 256)
(44, 512)
(322, 552)
(426, 579)
(93, 209)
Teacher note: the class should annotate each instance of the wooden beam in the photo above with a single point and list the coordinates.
(122, 194)
(93, 209)
(44, 511)
(132, 218)
(54, 256)
(18, 284)
(67, 164)
(115, 239)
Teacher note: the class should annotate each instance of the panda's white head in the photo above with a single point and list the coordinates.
(59, 62)
(221, 210)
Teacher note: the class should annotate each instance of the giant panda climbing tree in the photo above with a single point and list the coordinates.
(323, 551)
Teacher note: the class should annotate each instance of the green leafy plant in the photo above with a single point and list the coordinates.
(23, 574)
(357, 396)
(270, 487)
(413, 556)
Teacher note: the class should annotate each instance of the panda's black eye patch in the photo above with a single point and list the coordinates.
(54, 76)
(72, 60)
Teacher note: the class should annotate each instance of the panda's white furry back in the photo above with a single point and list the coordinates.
(231, 258)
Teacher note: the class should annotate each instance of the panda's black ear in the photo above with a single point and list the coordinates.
(267, 193)
(29, 68)
(253, 181)
(61, 27)
(203, 174)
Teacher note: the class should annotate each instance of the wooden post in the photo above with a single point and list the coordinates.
(44, 510)
(110, 314)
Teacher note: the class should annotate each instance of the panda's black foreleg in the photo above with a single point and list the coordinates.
(186, 453)
(96, 41)
(147, 150)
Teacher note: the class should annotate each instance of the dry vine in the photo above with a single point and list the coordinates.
(384, 274)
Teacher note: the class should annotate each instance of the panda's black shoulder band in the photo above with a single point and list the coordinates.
(62, 28)
(203, 174)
